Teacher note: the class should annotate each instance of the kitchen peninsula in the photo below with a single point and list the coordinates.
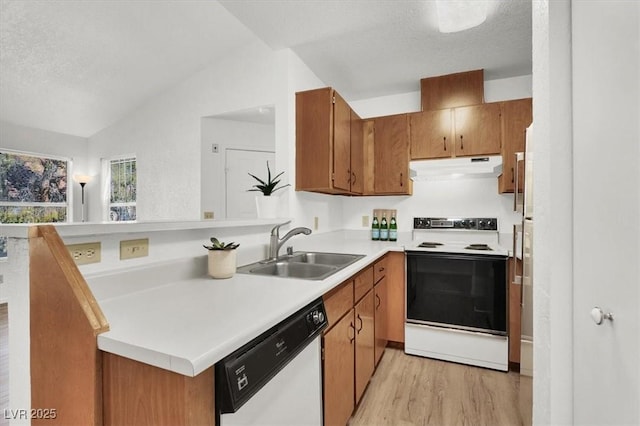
(166, 317)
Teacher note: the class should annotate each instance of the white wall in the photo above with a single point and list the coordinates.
(165, 133)
(552, 263)
(28, 139)
(461, 197)
(227, 134)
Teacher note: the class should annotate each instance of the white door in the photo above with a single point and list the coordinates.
(239, 202)
(606, 164)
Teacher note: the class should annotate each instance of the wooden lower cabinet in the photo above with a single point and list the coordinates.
(356, 338)
(515, 311)
(139, 394)
(380, 294)
(338, 371)
(395, 296)
(364, 358)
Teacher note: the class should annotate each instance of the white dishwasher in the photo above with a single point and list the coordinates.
(276, 379)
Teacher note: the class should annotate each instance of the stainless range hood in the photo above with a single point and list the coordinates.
(454, 168)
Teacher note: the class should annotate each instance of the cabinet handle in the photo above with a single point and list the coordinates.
(352, 327)
(513, 176)
(349, 173)
(361, 324)
(381, 269)
(401, 179)
(444, 142)
(379, 302)
(461, 142)
(353, 182)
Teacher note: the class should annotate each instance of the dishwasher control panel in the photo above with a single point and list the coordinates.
(244, 372)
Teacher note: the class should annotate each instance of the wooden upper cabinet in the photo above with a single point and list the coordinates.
(516, 117)
(341, 144)
(324, 145)
(452, 90)
(391, 155)
(431, 134)
(357, 154)
(477, 130)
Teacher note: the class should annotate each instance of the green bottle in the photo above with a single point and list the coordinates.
(393, 229)
(375, 229)
(384, 228)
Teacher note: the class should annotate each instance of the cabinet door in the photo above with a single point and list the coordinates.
(395, 296)
(357, 154)
(338, 346)
(314, 130)
(341, 144)
(380, 293)
(431, 134)
(477, 130)
(515, 297)
(452, 90)
(516, 117)
(365, 338)
(391, 155)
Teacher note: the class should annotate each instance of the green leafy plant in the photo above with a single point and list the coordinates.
(270, 186)
(217, 245)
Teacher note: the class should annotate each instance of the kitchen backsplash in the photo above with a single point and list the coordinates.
(457, 198)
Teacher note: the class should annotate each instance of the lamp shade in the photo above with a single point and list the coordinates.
(82, 179)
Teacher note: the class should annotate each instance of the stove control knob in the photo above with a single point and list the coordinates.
(427, 223)
(472, 224)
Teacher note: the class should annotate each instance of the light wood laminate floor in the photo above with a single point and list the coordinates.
(410, 390)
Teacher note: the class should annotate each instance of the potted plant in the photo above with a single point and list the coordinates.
(266, 204)
(222, 258)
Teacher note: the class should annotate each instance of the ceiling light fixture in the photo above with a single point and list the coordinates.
(460, 15)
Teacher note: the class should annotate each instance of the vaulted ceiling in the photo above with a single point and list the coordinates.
(76, 66)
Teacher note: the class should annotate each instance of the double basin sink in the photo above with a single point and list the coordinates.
(304, 265)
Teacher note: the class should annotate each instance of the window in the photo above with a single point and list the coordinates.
(33, 189)
(122, 189)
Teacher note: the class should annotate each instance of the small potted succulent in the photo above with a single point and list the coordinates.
(222, 258)
(266, 203)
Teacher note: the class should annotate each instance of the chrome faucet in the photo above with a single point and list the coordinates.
(276, 242)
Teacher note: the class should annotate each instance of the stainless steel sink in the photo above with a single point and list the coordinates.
(333, 259)
(305, 265)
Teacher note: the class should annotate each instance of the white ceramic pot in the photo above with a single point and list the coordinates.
(267, 206)
(222, 263)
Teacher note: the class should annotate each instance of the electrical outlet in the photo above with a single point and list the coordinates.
(130, 249)
(365, 221)
(214, 148)
(85, 253)
(315, 223)
(208, 215)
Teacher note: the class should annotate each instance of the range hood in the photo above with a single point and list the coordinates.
(456, 168)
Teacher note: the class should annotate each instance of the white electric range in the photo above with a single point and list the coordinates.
(457, 293)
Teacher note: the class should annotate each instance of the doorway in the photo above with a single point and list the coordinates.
(240, 203)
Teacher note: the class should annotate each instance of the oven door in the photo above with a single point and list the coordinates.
(463, 291)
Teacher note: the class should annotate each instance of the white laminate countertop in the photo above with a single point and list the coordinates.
(187, 325)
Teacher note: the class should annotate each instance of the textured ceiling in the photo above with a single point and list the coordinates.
(368, 48)
(77, 66)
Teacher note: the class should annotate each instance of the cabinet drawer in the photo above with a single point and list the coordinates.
(380, 269)
(363, 283)
(338, 302)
